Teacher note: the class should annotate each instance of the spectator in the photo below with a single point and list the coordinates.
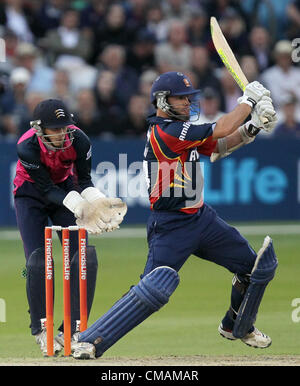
(175, 54)
(156, 23)
(234, 29)
(290, 127)
(87, 116)
(13, 105)
(114, 30)
(14, 97)
(93, 14)
(209, 107)
(67, 40)
(9, 127)
(145, 83)
(259, 47)
(135, 123)
(27, 55)
(250, 68)
(15, 16)
(177, 9)
(10, 43)
(283, 78)
(219, 9)
(271, 13)
(80, 73)
(107, 102)
(136, 15)
(49, 14)
(146, 80)
(202, 67)
(113, 58)
(230, 91)
(140, 55)
(198, 29)
(62, 88)
(32, 99)
(293, 14)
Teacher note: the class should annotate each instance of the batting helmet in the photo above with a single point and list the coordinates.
(173, 84)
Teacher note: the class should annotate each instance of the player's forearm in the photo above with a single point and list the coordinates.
(244, 135)
(229, 123)
(233, 139)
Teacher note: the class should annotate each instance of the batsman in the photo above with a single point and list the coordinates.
(53, 183)
(181, 224)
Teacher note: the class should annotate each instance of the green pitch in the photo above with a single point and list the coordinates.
(186, 326)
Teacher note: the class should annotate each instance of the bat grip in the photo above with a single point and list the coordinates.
(264, 120)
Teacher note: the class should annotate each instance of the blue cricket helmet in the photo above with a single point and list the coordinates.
(175, 83)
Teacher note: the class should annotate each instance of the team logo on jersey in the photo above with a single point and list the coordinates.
(59, 113)
(185, 128)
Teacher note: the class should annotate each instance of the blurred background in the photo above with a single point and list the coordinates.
(101, 58)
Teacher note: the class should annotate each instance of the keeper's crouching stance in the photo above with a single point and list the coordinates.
(180, 225)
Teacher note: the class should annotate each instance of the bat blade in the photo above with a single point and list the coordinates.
(226, 54)
(228, 58)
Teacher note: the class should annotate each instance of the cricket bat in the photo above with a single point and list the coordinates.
(228, 58)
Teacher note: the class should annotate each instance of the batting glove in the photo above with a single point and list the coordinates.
(253, 93)
(264, 109)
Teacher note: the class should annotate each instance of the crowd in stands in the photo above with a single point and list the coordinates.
(101, 57)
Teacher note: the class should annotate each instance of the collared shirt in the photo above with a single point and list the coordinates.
(47, 168)
(172, 163)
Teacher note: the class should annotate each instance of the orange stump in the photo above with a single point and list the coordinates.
(49, 290)
(66, 290)
(82, 279)
(49, 279)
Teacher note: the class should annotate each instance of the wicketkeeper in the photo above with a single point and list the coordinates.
(53, 182)
(181, 224)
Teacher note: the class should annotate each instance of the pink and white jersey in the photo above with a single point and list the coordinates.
(46, 168)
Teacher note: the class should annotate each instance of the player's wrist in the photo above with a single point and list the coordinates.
(248, 132)
(248, 101)
(251, 129)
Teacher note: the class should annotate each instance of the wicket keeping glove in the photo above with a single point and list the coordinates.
(110, 211)
(83, 211)
(253, 93)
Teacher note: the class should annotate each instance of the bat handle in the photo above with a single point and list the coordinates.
(264, 120)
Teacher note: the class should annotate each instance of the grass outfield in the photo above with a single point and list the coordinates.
(187, 326)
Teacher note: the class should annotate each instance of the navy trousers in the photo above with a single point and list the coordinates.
(33, 213)
(174, 236)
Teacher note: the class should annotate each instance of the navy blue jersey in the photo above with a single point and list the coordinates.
(171, 163)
